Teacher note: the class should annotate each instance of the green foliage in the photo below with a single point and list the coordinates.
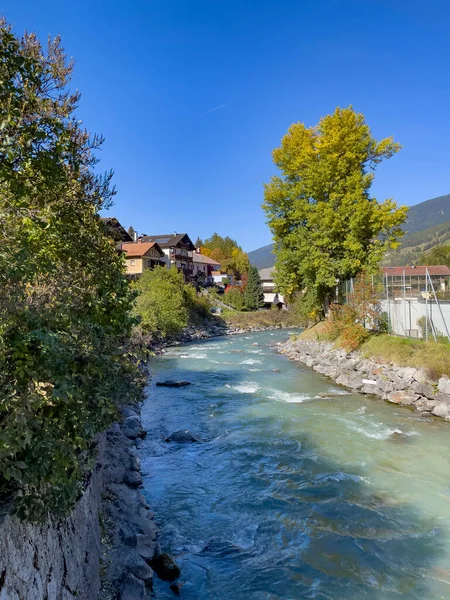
(165, 305)
(325, 223)
(253, 294)
(64, 300)
(234, 297)
(162, 304)
(227, 252)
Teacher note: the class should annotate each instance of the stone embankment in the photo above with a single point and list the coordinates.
(129, 531)
(109, 535)
(400, 385)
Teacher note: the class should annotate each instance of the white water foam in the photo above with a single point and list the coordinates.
(250, 361)
(248, 387)
(292, 398)
(373, 430)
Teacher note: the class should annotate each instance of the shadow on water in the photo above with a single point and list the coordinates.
(257, 512)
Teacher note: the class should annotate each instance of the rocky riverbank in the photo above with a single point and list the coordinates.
(129, 533)
(211, 330)
(399, 385)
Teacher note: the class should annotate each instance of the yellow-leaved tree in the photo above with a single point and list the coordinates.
(325, 223)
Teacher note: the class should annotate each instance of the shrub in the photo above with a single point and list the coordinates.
(353, 336)
(234, 297)
(163, 301)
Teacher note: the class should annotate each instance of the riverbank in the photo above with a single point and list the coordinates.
(408, 386)
(216, 328)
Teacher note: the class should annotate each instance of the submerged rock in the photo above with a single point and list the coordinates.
(165, 567)
(183, 436)
(172, 383)
(398, 437)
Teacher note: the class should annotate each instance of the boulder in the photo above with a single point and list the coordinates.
(444, 385)
(371, 388)
(402, 397)
(133, 479)
(355, 383)
(442, 410)
(137, 566)
(421, 376)
(183, 436)
(406, 372)
(165, 567)
(343, 379)
(172, 383)
(424, 389)
(132, 588)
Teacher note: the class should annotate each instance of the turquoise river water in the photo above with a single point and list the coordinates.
(301, 490)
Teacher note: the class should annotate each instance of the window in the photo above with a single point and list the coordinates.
(132, 262)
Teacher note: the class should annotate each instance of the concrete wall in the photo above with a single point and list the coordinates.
(404, 315)
(59, 560)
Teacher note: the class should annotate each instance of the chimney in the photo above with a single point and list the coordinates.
(135, 236)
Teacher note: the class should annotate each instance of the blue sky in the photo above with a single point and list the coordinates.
(150, 73)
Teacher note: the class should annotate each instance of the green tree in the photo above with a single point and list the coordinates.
(324, 222)
(64, 300)
(198, 242)
(439, 255)
(131, 231)
(254, 294)
(162, 304)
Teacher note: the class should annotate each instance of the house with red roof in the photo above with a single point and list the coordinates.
(141, 256)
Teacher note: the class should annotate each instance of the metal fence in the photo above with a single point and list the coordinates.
(416, 306)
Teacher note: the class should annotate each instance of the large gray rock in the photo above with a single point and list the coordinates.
(424, 389)
(355, 383)
(132, 588)
(402, 397)
(184, 436)
(444, 385)
(343, 379)
(138, 567)
(421, 376)
(442, 410)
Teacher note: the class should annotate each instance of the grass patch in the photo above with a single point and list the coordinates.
(434, 357)
(261, 318)
(316, 333)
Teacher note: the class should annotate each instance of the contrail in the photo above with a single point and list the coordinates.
(217, 107)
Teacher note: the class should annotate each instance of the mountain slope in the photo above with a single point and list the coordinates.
(428, 214)
(262, 257)
(427, 225)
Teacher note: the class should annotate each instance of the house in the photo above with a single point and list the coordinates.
(177, 248)
(271, 296)
(222, 278)
(203, 267)
(115, 230)
(141, 256)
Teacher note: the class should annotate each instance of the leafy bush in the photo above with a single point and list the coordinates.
(162, 303)
(165, 304)
(353, 336)
(235, 298)
(65, 359)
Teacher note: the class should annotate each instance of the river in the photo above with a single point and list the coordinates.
(301, 490)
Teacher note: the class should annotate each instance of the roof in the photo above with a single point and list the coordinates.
(169, 240)
(419, 271)
(115, 229)
(266, 274)
(206, 260)
(140, 248)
